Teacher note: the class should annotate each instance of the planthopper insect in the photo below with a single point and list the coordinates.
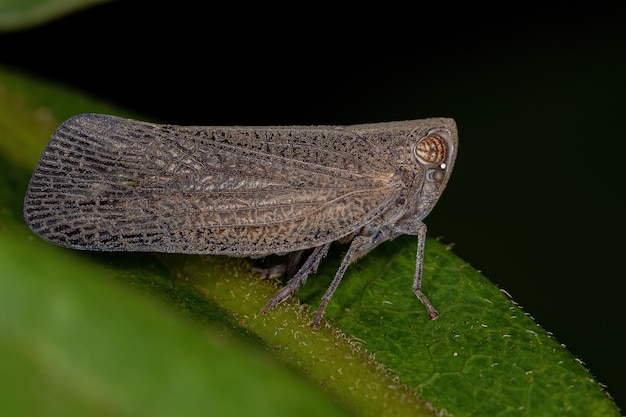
(105, 183)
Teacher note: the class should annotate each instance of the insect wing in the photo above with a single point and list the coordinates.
(105, 183)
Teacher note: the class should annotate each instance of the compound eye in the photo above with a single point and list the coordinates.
(432, 149)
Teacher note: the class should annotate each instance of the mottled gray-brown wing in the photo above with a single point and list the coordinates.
(105, 183)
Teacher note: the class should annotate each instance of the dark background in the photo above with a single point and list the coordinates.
(537, 198)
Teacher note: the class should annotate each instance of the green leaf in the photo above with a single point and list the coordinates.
(139, 333)
(482, 356)
(76, 343)
(21, 14)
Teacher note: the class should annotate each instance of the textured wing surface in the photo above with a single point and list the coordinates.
(105, 183)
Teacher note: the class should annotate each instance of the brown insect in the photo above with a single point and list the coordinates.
(105, 183)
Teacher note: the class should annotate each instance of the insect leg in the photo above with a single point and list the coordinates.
(292, 286)
(288, 267)
(419, 265)
(359, 242)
